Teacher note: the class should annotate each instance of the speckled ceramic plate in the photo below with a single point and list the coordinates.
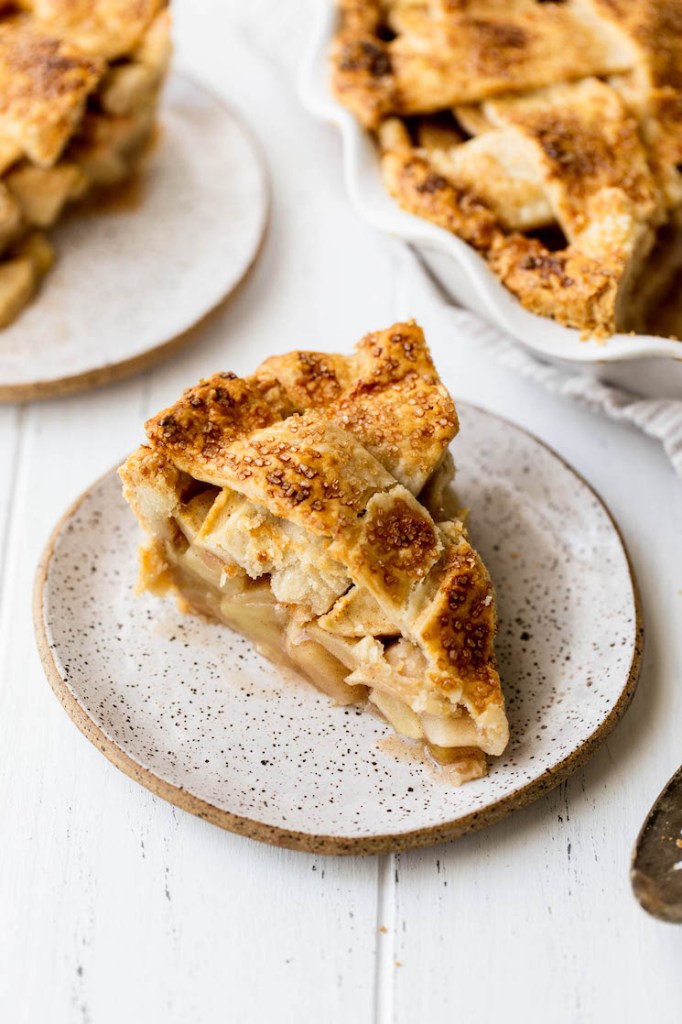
(189, 710)
(135, 274)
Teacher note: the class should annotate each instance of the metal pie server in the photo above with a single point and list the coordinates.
(656, 872)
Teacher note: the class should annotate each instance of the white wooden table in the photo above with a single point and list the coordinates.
(116, 907)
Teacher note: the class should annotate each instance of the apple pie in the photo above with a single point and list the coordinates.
(547, 135)
(79, 85)
(309, 507)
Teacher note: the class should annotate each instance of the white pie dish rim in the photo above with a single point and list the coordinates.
(464, 273)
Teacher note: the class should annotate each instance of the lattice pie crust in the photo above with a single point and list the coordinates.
(308, 507)
(547, 135)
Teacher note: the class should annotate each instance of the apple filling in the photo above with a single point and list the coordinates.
(309, 507)
(273, 583)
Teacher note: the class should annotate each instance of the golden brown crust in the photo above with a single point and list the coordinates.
(44, 84)
(554, 147)
(396, 404)
(654, 27)
(391, 548)
(210, 416)
(363, 77)
(310, 380)
(445, 54)
(388, 395)
(304, 469)
(421, 190)
(585, 141)
(458, 623)
(579, 148)
(98, 28)
(567, 285)
(334, 470)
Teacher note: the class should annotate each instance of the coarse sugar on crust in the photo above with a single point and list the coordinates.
(548, 136)
(288, 503)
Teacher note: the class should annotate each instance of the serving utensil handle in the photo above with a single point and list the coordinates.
(656, 871)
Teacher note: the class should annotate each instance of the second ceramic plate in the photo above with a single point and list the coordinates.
(134, 275)
(188, 709)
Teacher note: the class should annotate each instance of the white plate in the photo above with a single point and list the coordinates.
(133, 278)
(189, 710)
(644, 363)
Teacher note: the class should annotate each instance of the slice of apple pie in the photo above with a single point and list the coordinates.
(308, 506)
(79, 88)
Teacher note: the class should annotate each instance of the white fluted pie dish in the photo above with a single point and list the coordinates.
(646, 364)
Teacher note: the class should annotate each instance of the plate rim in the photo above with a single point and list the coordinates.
(88, 380)
(309, 842)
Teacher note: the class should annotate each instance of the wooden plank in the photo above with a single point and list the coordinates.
(64, 444)
(11, 421)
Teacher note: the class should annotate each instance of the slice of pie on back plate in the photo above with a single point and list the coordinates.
(308, 507)
(79, 91)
